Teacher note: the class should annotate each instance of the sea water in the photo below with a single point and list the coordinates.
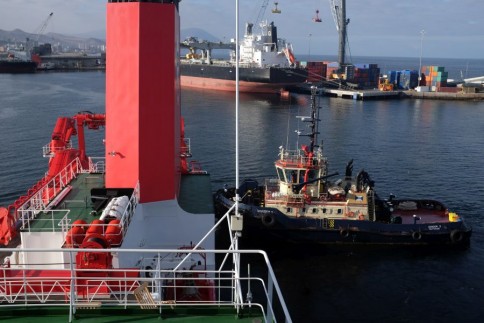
(410, 148)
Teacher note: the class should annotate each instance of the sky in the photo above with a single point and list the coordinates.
(452, 28)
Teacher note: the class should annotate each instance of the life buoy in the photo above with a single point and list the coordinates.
(350, 214)
(307, 198)
(268, 220)
(417, 235)
(456, 236)
(344, 233)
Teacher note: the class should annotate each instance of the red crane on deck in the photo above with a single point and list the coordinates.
(61, 155)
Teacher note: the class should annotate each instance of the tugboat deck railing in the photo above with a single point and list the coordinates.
(298, 158)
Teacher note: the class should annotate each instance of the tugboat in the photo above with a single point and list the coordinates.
(129, 235)
(305, 205)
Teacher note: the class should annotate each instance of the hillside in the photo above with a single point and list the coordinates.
(68, 43)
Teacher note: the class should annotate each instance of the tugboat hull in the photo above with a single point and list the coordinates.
(271, 224)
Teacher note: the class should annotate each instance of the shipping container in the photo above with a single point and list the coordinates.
(449, 89)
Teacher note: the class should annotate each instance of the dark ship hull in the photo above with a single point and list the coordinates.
(252, 79)
(390, 227)
(17, 67)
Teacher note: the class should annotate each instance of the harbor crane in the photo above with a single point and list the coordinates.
(40, 30)
(338, 9)
(262, 11)
(206, 47)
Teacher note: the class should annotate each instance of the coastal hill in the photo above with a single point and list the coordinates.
(70, 43)
(60, 43)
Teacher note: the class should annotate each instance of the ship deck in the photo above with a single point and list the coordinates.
(185, 314)
(195, 197)
(422, 216)
(77, 204)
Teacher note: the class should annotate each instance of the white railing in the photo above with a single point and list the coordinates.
(40, 200)
(299, 158)
(96, 165)
(186, 151)
(47, 150)
(162, 286)
(59, 220)
(56, 189)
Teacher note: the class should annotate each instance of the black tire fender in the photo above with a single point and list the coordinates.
(345, 233)
(268, 220)
(416, 235)
(456, 236)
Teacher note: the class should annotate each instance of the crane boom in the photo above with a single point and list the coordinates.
(40, 30)
(338, 9)
(334, 7)
(262, 11)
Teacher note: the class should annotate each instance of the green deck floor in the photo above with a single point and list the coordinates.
(181, 314)
(78, 202)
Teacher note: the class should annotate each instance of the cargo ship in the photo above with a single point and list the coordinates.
(267, 65)
(304, 204)
(13, 66)
(129, 235)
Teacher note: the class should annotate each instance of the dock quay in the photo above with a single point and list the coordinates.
(361, 94)
(399, 94)
(444, 96)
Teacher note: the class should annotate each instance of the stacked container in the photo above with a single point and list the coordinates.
(435, 77)
(404, 79)
(366, 75)
(408, 79)
(316, 71)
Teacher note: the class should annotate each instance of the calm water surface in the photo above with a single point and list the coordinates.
(411, 148)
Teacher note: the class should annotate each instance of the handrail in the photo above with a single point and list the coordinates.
(39, 200)
(29, 286)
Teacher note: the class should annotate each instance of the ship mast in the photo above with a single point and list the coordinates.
(314, 120)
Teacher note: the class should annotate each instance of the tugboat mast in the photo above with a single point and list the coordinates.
(314, 120)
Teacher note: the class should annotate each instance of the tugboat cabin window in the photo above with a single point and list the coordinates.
(301, 175)
(291, 175)
(324, 210)
(340, 211)
(280, 174)
(312, 174)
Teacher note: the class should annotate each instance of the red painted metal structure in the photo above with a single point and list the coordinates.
(61, 155)
(143, 128)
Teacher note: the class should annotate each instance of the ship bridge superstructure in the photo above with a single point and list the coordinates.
(265, 49)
